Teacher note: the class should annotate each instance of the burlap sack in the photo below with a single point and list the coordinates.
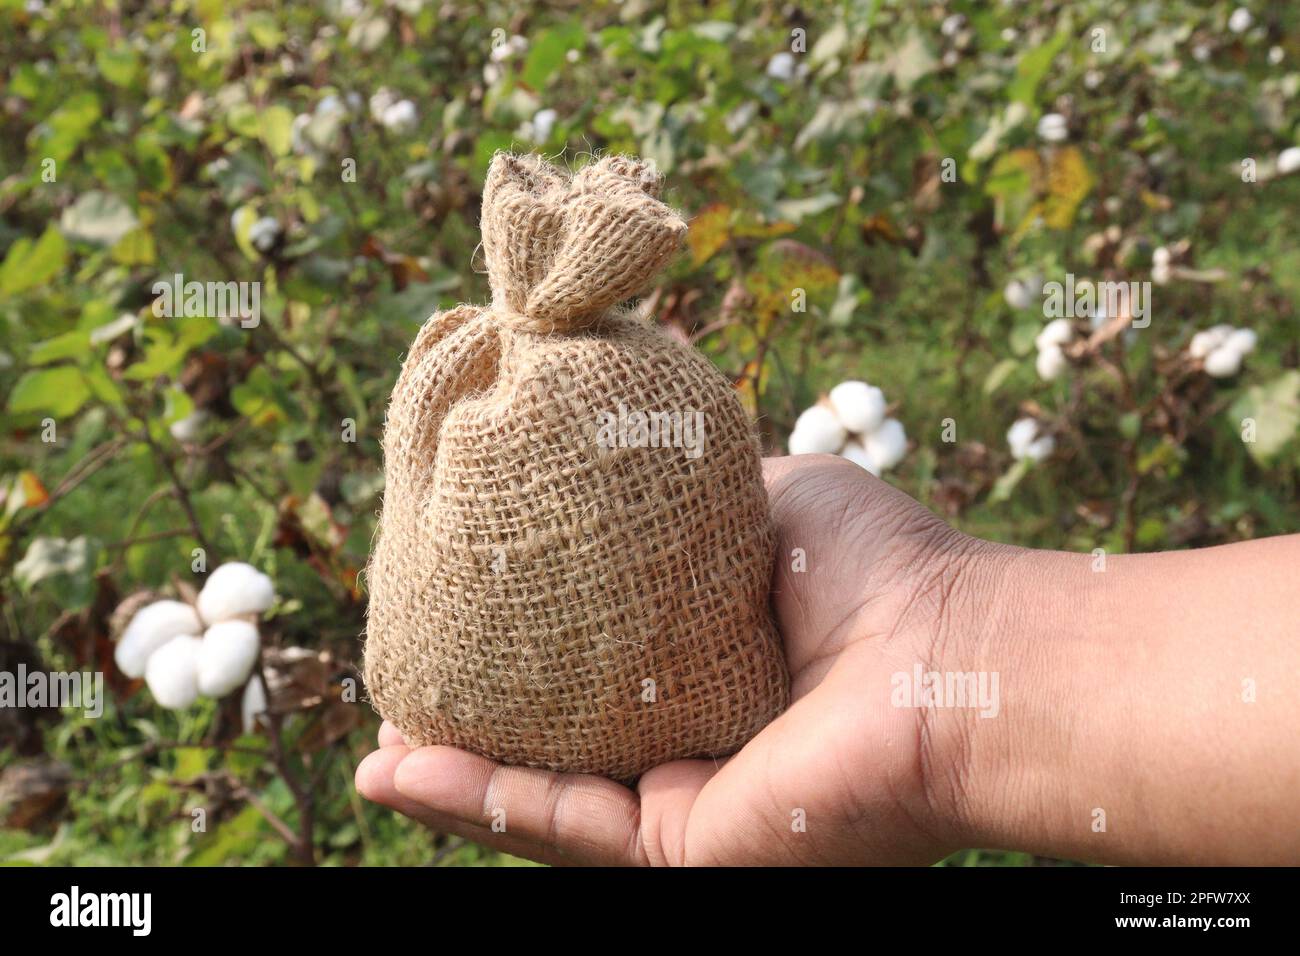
(539, 593)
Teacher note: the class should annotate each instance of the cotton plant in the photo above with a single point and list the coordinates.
(1161, 267)
(1051, 342)
(1029, 441)
(539, 128)
(392, 113)
(206, 649)
(1022, 292)
(1221, 349)
(785, 66)
(318, 132)
(851, 422)
(1052, 128)
(1288, 161)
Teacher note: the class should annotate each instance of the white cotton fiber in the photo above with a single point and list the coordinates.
(227, 657)
(152, 627)
(1203, 343)
(1025, 441)
(253, 704)
(817, 431)
(173, 673)
(1223, 362)
(234, 589)
(1058, 332)
(1051, 362)
(887, 445)
(859, 407)
(856, 452)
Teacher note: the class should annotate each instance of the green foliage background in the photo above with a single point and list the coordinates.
(141, 140)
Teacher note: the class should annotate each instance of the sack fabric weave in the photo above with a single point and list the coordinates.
(538, 595)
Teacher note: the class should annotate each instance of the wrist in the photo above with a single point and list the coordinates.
(1015, 630)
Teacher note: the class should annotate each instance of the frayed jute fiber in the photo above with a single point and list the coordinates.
(539, 595)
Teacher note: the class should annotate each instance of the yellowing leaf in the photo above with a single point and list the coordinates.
(1068, 182)
(709, 232)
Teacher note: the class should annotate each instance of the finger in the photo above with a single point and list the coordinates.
(390, 736)
(577, 817)
(374, 781)
(667, 795)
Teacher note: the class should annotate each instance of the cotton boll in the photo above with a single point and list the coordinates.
(1058, 332)
(781, 66)
(1040, 448)
(857, 453)
(399, 117)
(1288, 161)
(1052, 128)
(1203, 343)
(859, 407)
(1051, 363)
(263, 233)
(543, 123)
(1020, 435)
(1240, 21)
(817, 431)
(298, 134)
(382, 99)
(1161, 269)
(1243, 340)
(887, 445)
(253, 704)
(1223, 362)
(189, 428)
(153, 626)
(1018, 294)
(173, 673)
(234, 589)
(227, 657)
(331, 105)
(952, 24)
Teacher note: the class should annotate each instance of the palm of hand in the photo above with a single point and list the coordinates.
(838, 778)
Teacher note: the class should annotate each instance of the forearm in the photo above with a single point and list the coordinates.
(1149, 713)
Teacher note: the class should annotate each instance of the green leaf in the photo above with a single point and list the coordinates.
(276, 129)
(69, 345)
(1005, 485)
(264, 30)
(1271, 412)
(136, 248)
(1033, 66)
(68, 126)
(999, 375)
(31, 264)
(547, 53)
(118, 66)
(58, 391)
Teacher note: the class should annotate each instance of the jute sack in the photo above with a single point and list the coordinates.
(551, 585)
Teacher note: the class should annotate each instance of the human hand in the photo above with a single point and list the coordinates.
(841, 777)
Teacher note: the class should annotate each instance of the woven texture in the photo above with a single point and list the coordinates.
(536, 595)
